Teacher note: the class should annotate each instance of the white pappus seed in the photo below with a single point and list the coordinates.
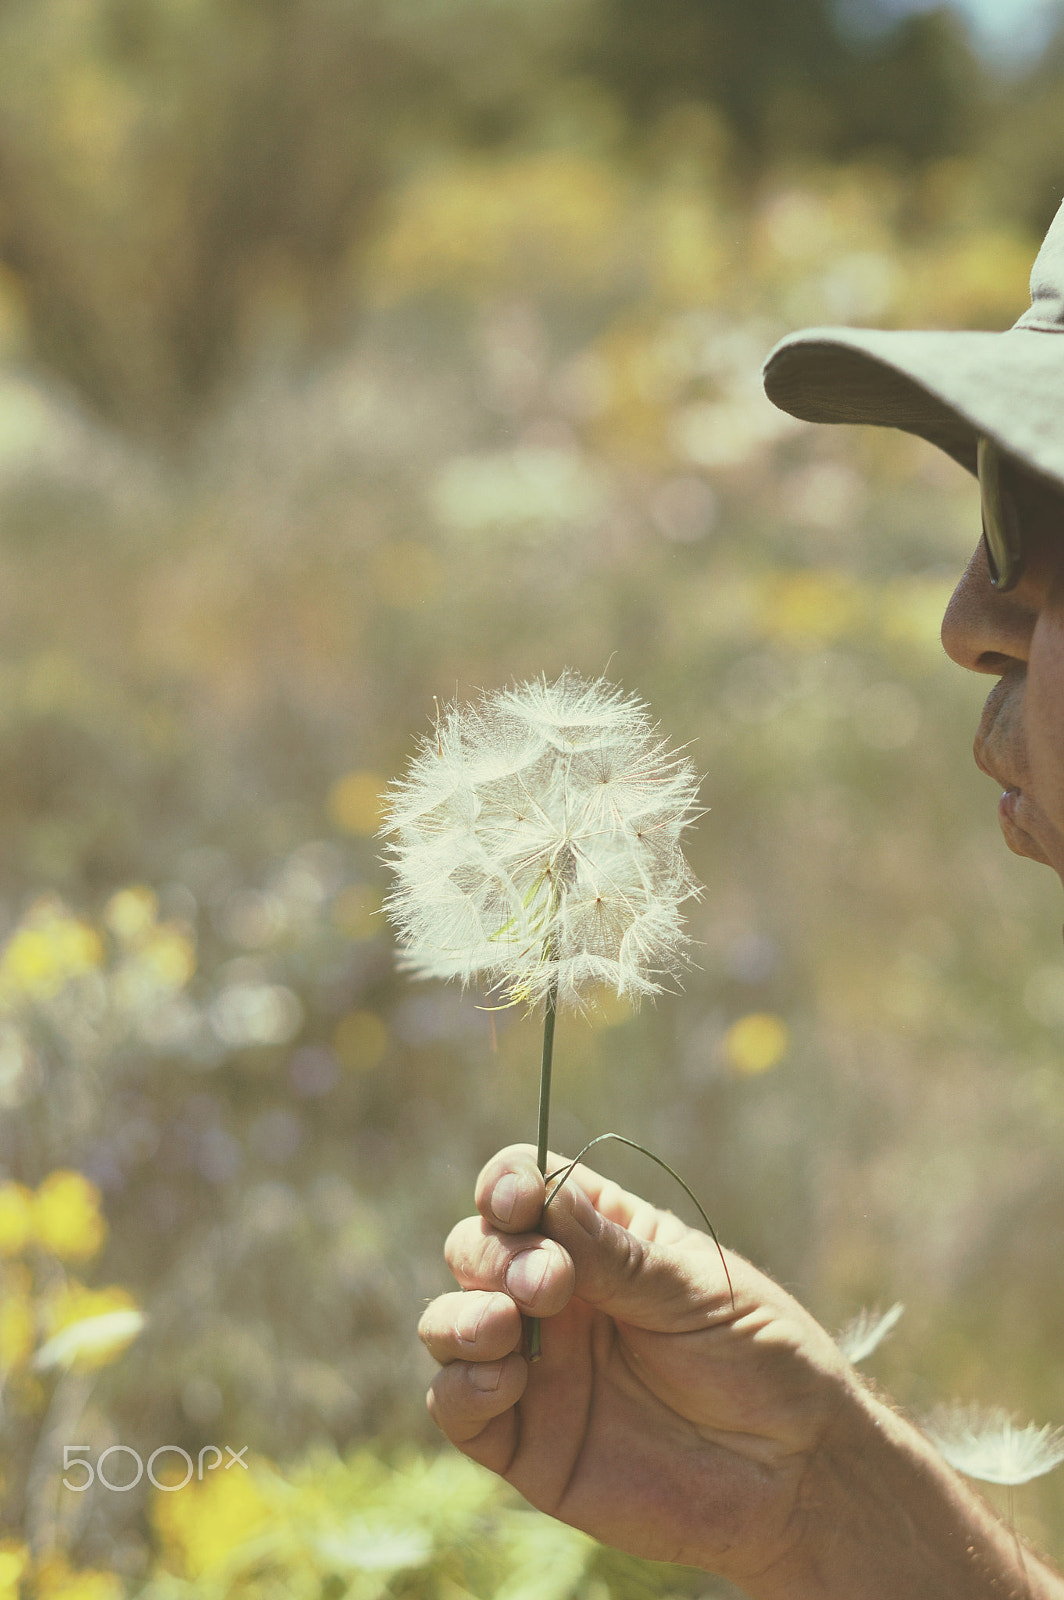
(535, 841)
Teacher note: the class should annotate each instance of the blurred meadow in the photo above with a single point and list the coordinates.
(357, 352)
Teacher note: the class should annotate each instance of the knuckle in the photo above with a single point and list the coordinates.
(631, 1254)
(499, 1331)
(468, 1393)
(479, 1256)
(570, 1212)
(619, 1259)
(443, 1401)
(467, 1251)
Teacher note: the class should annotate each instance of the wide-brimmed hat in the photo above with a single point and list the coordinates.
(949, 387)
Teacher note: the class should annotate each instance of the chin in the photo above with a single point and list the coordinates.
(1021, 843)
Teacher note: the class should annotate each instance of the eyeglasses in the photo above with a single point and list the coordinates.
(1002, 522)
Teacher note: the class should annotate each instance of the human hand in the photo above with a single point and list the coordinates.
(662, 1417)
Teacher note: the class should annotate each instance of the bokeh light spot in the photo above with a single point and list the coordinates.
(66, 1216)
(810, 607)
(756, 1043)
(46, 951)
(131, 912)
(256, 1013)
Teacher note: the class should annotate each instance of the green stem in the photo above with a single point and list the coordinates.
(546, 1064)
(544, 1074)
(1016, 1541)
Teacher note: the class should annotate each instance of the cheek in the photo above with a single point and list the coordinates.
(1044, 716)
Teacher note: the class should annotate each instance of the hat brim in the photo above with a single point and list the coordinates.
(950, 388)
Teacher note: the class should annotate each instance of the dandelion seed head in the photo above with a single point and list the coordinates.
(988, 1444)
(866, 1331)
(536, 845)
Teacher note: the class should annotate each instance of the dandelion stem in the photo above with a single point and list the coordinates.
(1016, 1541)
(544, 1074)
(547, 1062)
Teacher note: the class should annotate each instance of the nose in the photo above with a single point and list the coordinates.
(983, 630)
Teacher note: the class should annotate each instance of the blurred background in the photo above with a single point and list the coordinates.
(356, 352)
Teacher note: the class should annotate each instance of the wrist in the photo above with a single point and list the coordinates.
(880, 1514)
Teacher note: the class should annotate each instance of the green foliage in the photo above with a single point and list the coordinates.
(922, 93)
(186, 186)
(189, 189)
(417, 1527)
(744, 57)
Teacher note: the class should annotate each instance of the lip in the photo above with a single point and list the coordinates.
(1007, 806)
(1000, 778)
(1018, 838)
(997, 746)
(1011, 809)
(1000, 752)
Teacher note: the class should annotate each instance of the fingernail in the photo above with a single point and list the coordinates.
(504, 1197)
(485, 1375)
(468, 1317)
(525, 1274)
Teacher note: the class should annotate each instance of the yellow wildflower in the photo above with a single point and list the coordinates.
(67, 1220)
(56, 1580)
(48, 949)
(203, 1527)
(14, 1560)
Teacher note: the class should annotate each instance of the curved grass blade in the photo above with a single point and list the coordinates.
(563, 1174)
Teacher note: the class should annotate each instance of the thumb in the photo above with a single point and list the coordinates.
(660, 1287)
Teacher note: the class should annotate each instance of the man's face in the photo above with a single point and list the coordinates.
(1018, 638)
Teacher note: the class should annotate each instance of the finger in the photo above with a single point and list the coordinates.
(614, 1239)
(649, 1284)
(629, 1210)
(472, 1403)
(510, 1191)
(534, 1271)
(470, 1327)
(510, 1194)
